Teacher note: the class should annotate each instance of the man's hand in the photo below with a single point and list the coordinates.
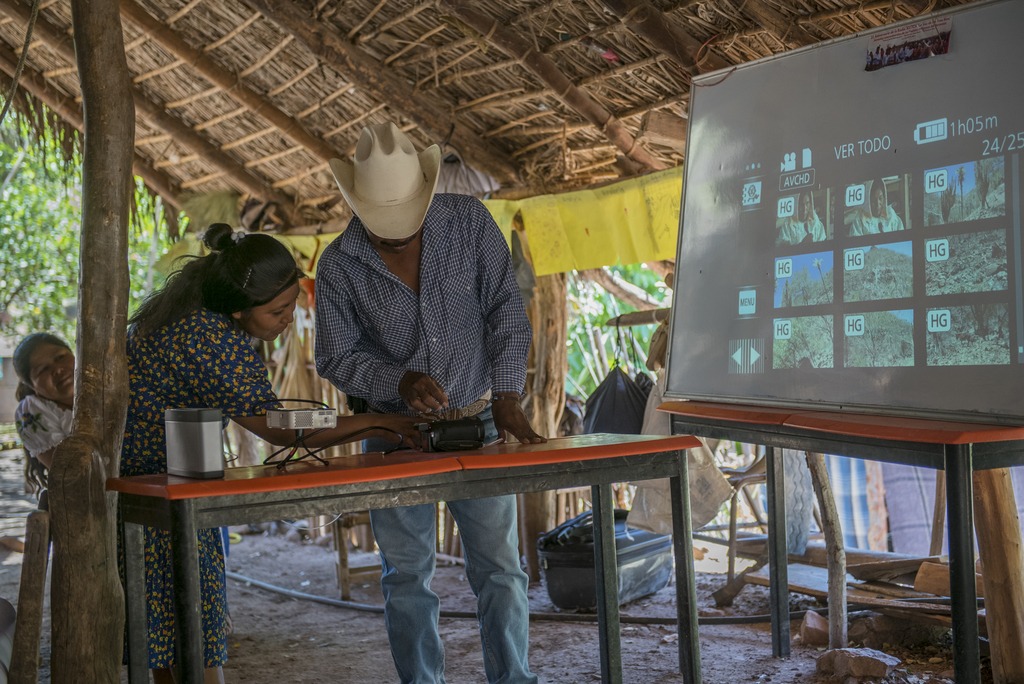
(509, 417)
(422, 393)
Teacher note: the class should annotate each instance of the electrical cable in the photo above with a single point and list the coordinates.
(542, 616)
(300, 439)
(350, 435)
(563, 617)
(301, 401)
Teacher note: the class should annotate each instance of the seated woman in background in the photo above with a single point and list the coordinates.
(191, 345)
(45, 366)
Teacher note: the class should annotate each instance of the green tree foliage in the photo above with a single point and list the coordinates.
(41, 206)
(595, 348)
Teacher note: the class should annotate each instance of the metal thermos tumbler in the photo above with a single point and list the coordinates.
(195, 446)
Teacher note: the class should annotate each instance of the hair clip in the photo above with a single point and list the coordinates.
(237, 235)
(248, 274)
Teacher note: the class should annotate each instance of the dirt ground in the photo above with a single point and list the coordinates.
(279, 638)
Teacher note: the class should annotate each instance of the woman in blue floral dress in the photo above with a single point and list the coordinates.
(190, 346)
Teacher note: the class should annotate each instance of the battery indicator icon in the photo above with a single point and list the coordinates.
(931, 131)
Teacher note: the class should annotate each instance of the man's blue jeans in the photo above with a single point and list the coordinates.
(488, 529)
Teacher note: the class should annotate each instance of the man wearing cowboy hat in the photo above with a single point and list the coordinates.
(418, 312)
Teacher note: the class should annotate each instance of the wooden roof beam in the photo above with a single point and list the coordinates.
(227, 81)
(864, 8)
(233, 170)
(514, 45)
(787, 30)
(62, 45)
(918, 6)
(385, 85)
(65, 107)
(648, 21)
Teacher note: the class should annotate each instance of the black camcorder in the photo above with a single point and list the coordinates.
(452, 435)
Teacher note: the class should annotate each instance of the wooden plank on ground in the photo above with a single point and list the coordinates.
(754, 546)
(813, 581)
(888, 569)
(933, 578)
(803, 579)
(888, 589)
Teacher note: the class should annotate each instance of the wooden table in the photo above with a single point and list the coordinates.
(959, 449)
(374, 480)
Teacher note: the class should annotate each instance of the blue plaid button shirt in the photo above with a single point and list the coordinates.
(467, 328)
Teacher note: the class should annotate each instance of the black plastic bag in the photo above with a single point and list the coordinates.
(579, 530)
(617, 405)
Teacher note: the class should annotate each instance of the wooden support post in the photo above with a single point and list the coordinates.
(87, 599)
(29, 622)
(547, 365)
(341, 546)
(834, 547)
(999, 544)
(938, 515)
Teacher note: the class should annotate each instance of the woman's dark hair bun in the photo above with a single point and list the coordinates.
(218, 236)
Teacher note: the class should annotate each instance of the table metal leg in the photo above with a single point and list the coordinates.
(135, 597)
(964, 598)
(187, 600)
(686, 587)
(607, 582)
(778, 559)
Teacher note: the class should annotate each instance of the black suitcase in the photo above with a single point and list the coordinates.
(567, 562)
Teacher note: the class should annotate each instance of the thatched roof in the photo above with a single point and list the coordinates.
(255, 96)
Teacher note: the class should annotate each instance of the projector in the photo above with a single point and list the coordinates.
(302, 419)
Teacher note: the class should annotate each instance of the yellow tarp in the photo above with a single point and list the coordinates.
(503, 211)
(623, 223)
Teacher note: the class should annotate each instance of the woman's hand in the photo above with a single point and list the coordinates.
(348, 429)
(403, 425)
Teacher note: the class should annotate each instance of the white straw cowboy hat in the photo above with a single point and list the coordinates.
(387, 183)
